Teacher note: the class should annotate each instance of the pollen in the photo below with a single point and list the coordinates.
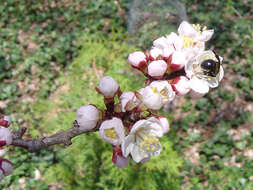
(164, 92)
(199, 28)
(111, 133)
(155, 90)
(188, 42)
(150, 145)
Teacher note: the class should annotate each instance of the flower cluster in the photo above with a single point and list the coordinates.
(176, 65)
(182, 55)
(5, 139)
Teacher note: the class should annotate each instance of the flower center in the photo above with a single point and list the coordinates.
(188, 42)
(111, 133)
(199, 28)
(150, 145)
(155, 90)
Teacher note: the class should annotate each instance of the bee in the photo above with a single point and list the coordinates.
(211, 67)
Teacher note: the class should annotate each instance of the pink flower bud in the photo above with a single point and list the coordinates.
(108, 87)
(87, 117)
(178, 61)
(155, 53)
(112, 131)
(5, 136)
(118, 159)
(181, 85)
(157, 69)
(137, 59)
(5, 121)
(165, 124)
(6, 166)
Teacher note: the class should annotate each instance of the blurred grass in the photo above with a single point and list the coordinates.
(53, 54)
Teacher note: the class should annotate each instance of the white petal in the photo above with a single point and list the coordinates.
(165, 124)
(152, 100)
(116, 125)
(186, 29)
(108, 86)
(181, 85)
(199, 86)
(161, 43)
(137, 155)
(127, 145)
(178, 60)
(221, 74)
(205, 35)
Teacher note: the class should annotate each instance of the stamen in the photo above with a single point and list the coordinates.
(188, 42)
(150, 145)
(155, 90)
(111, 133)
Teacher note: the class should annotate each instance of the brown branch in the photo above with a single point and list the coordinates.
(61, 137)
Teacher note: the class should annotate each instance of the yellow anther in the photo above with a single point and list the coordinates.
(207, 56)
(110, 133)
(164, 92)
(188, 42)
(155, 90)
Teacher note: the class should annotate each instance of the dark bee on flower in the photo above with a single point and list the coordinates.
(211, 67)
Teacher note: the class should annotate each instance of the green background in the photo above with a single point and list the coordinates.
(52, 55)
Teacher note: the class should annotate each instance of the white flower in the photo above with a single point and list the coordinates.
(87, 117)
(143, 140)
(128, 101)
(112, 131)
(137, 59)
(181, 85)
(6, 166)
(5, 121)
(194, 32)
(5, 136)
(157, 69)
(154, 53)
(108, 87)
(204, 71)
(118, 159)
(157, 94)
(161, 43)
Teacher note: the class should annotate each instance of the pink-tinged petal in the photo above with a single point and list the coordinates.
(127, 145)
(5, 136)
(181, 85)
(199, 86)
(186, 29)
(6, 166)
(154, 53)
(118, 159)
(5, 121)
(125, 98)
(178, 61)
(2, 152)
(1, 175)
(165, 124)
(108, 87)
(157, 69)
(205, 36)
(87, 117)
(137, 59)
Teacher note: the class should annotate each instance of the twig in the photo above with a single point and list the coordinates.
(61, 137)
